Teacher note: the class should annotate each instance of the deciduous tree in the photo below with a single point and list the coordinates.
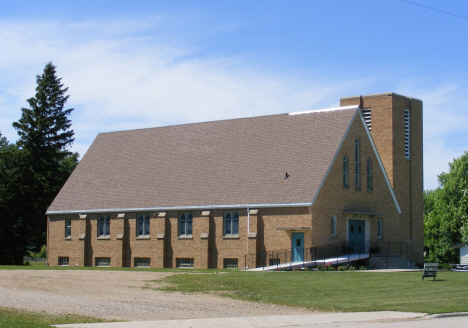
(446, 213)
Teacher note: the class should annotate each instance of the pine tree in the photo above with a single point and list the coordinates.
(45, 134)
(44, 129)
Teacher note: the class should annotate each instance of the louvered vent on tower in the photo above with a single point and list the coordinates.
(407, 133)
(366, 112)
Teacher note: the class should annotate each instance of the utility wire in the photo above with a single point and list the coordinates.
(441, 11)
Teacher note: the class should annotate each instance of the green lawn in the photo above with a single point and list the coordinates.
(18, 319)
(336, 291)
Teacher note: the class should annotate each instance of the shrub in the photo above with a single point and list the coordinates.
(330, 268)
(341, 268)
(43, 253)
(362, 267)
(351, 268)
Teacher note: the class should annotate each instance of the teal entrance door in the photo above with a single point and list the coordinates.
(297, 247)
(357, 236)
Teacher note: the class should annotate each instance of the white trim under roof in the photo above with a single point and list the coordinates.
(325, 110)
(179, 208)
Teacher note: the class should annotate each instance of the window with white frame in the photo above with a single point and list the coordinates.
(102, 261)
(369, 174)
(357, 154)
(185, 224)
(380, 228)
(333, 225)
(104, 226)
(184, 263)
(63, 260)
(143, 222)
(345, 171)
(67, 228)
(230, 264)
(142, 262)
(407, 134)
(231, 223)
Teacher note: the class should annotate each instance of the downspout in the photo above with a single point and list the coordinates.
(47, 246)
(248, 229)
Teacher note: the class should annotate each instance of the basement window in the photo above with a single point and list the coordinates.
(184, 263)
(142, 262)
(63, 260)
(230, 263)
(102, 261)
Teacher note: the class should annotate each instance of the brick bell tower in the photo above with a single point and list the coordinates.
(395, 124)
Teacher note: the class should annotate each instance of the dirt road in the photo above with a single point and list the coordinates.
(120, 295)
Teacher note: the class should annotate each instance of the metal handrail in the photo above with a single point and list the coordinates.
(332, 251)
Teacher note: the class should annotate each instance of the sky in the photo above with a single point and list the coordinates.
(144, 64)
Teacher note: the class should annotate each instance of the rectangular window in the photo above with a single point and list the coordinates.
(230, 263)
(63, 260)
(142, 262)
(102, 261)
(185, 224)
(143, 222)
(379, 228)
(184, 263)
(407, 134)
(231, 223)
(67, 228)
(333, 225)
(104, 226)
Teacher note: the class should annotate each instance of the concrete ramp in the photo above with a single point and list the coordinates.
(295, 265)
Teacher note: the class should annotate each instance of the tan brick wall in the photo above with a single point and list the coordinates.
(144, 247)
(333, 199)
(192, 247)
(406, 175)
(106, 246)
(59, 246)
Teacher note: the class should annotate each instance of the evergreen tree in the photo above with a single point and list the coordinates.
(45, 134)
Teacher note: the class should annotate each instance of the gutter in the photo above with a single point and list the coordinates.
(180, 208)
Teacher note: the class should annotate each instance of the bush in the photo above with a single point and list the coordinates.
(341, 268)
(362, 267)
(330, 268)
(43, 253)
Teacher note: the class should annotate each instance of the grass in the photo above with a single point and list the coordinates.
(336, 291)
(18, 319)
(43, 266)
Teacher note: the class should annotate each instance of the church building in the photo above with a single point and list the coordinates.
(248, 192)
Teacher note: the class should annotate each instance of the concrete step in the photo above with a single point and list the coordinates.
(390, 262)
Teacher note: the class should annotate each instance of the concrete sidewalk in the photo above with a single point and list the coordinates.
(260, 322)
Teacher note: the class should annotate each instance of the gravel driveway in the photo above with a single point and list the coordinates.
(120, 295)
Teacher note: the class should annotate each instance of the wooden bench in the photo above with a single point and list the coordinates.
(430, 270)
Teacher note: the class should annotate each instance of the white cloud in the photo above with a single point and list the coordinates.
(137, 73)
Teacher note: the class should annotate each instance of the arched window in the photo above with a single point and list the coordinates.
(104, 226)
(345, 171)
(357, 151)
(185, 224)
(369, 174)
(143, 225)
(231, 223)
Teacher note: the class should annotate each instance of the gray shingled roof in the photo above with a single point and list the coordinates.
(230, 162)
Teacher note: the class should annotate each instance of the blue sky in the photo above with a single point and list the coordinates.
(151, 63)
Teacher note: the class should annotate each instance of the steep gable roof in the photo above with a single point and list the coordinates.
(230, 163)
